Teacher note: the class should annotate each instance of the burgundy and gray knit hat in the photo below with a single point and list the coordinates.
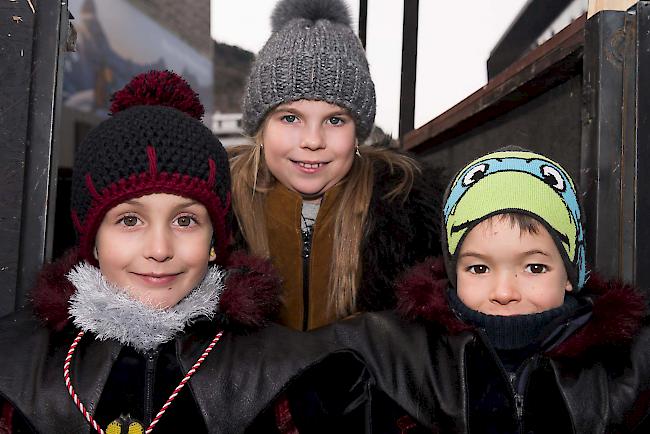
(312, 54)
(154, 142)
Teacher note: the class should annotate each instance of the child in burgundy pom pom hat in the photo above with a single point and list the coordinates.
(136, 329)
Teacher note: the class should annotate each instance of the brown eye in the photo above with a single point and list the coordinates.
(184, 220)
(478, 269)
(130, 220)
(536, 268)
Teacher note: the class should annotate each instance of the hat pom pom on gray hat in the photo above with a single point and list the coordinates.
(312, 10)
(312, 54)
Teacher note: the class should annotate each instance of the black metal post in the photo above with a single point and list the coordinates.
(642, 169)
(409, 66)
(363, 21)
(16, 34)
(32, 35)
(601, 139)
(39, 188)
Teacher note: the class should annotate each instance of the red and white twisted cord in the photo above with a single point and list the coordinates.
(87, 415)
(68, 384)
(185, 379)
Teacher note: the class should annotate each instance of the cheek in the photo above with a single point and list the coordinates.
(115, 252)
(195, 250)
(279, 141)
(197, 256)
(468, 294)
(344, 150)
(550, 293)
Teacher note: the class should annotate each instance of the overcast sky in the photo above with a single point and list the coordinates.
(454, 42)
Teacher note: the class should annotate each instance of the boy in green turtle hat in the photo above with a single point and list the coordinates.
(508, 333)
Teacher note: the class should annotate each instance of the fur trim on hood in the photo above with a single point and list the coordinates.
(617, 313)
(250, 299)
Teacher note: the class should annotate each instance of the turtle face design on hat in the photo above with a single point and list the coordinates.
(517, 181)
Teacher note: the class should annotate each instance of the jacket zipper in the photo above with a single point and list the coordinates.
(519, 398)
(150, 374)
(306, 250)
(513, 381)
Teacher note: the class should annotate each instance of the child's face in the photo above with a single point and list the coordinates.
(502, 270)
(156, 247)
(309, 146)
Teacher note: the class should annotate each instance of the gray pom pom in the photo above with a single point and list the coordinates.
(313, 10)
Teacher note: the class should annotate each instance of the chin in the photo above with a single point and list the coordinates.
(310, 192)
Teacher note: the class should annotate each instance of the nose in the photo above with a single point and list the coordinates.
(158, 245)
(313, 138)
(505, 290)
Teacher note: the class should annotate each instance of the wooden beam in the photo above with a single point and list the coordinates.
(548, 65)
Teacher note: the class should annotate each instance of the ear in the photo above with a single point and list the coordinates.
(213, 254)
(568, 287)
(96, 253)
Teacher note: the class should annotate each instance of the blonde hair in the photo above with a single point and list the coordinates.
(251, 180)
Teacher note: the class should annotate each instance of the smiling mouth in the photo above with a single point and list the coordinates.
(309, 165)
(158, 278)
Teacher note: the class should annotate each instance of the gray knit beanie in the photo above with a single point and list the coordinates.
(312, 54)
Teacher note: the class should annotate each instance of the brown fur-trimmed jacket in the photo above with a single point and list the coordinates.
(397, 235)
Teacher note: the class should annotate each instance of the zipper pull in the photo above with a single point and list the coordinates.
(519, 405)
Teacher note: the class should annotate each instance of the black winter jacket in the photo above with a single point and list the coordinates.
(247, 368)
(593, 378)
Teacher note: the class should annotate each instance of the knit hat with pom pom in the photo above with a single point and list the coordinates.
(154, 142)
(312, 54)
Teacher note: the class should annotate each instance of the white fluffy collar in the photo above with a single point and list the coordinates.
(111, 313)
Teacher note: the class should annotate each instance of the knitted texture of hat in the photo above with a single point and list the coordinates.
(312, 54)
(146, 149)
(516, 181)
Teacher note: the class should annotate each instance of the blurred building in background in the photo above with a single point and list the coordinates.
(231, 67)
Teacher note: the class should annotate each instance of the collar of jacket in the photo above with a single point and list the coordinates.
(283, 209)
(286, 205)
(617, 309)
(250, 300)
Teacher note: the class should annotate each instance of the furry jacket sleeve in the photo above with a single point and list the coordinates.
(399, 233)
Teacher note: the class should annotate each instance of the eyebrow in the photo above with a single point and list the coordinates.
(535, 252)
(285, 108)
(472, 255)
(334, 112)
(188, 203)
(485, 257)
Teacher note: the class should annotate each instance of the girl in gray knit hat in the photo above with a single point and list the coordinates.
(338, 220)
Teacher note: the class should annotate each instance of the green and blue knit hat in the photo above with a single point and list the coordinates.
(516, 181)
